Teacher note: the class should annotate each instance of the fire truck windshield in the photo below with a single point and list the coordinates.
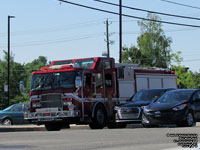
(53, 80)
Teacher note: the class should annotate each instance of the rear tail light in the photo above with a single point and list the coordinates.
(172, 72)
(30, 93)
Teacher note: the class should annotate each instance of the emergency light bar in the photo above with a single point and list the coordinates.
(56, 67)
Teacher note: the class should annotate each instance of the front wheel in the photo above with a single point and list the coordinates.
(188, 122)
(99, 120)
(7, 121)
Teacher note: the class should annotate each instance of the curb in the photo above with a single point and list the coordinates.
(21, 128)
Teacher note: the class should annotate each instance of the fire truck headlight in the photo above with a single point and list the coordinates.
(66, 103)
(71, 106)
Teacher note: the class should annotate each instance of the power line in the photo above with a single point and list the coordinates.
(180, 4)
(170, 30)
(149, 11)
(61, 40)
(130, 16)
(56, 29)
(56, 41)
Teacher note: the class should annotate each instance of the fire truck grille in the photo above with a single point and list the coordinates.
(51, 100)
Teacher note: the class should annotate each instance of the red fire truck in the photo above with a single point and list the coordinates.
(85, 91)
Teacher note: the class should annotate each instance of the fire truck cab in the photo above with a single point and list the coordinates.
(85, 91)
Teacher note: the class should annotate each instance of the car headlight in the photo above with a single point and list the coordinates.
(145, 110)
(180, 107)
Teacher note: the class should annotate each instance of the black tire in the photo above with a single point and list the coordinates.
(53, 126)
(115, 125)
(188, 122)
(100, 119)
(7, 121)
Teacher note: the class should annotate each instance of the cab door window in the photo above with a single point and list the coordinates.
(99, 81)
(108, 80)
(87, 80)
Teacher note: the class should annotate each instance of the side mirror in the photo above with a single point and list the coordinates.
(21, 86)
(78, 82)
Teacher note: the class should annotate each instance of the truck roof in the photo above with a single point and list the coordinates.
(74, 64)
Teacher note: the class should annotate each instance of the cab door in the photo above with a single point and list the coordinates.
(108, 79)
(87, 81)
(109, 85)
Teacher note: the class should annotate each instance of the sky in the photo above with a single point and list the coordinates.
(63, 31)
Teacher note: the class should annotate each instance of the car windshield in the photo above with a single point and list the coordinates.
(53, 80)
(175, 96)
(147, 95)
(8, 108)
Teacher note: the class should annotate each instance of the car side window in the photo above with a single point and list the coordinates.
(196, 96)
(25, 107)
(16, 108)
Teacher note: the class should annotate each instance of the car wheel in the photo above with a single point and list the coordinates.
(188, 122)
(7, 121)
(99, 120)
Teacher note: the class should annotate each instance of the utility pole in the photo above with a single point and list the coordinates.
(9, 17)
(120, 31)
(107, 39)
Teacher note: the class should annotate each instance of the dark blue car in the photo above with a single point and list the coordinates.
(180, 107)
(132, 112)
(14, 114)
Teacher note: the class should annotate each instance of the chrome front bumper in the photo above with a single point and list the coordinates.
(50, 115)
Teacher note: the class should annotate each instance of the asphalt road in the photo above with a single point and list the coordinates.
(83, 138)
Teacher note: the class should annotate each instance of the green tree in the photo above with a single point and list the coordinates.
(132, 55)
(196, 78)
(153, 47)
(17, 73)
(185, 78)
